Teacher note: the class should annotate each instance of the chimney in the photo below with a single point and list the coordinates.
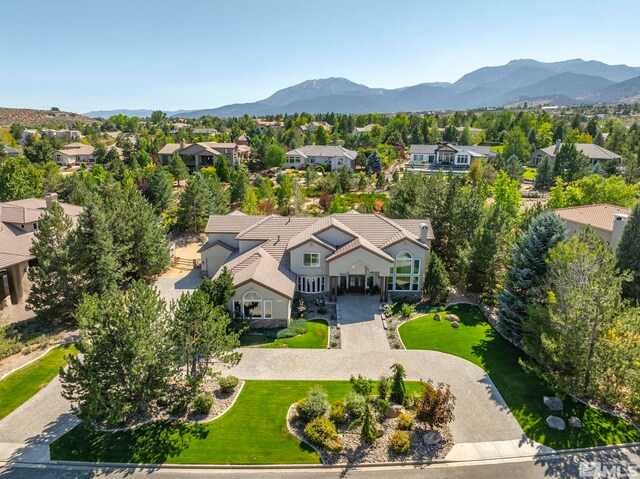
(424, 231)
(558, 143)
(619, 222)
(51, 198)
(182, 143)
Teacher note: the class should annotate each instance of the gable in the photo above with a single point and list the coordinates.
(333, 235)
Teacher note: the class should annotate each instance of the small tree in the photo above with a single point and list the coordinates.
(195, 206)
(398, 390)
(368, 434)
(222, 169)
(178, 169)
(544, 174)
(436, 281)
(219, 290)
(275, 156)
(374, 163)
(435, 406)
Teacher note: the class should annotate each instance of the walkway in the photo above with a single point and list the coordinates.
(360, 324)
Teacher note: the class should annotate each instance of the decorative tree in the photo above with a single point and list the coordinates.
(368, 434)
(436, 281)
(374, 163)
(178, 169)
(628, 255)
(398, 390)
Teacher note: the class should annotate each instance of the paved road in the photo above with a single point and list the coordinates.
(563, 467)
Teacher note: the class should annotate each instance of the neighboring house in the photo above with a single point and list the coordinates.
(359, 130)
(73, 135)
(592, 151)
(264, 124)
(198, 155)
(275, 259)
(328, 156)
(448, 155)
(311, 127)
(8, 151)
(18, 222)
(74, 153)
(607, 221)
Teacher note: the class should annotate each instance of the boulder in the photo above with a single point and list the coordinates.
(379, 430)
(453, 317)
(437, 317)
(395, 410)
(431, 437)
(553, 403)
(556, 422)
(575, 422)
(455, 324)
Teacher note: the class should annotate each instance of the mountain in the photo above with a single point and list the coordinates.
(624, 92)
(139, 113)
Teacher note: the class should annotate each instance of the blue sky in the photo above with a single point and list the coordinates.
(91, 54)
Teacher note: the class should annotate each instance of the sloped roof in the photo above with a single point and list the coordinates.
(474, 150)
(318, 226)
(14, 246)
(328, 151)
(275, 232)
(75, 148)
(359, 243)
(232, 223)
(590, 150)
(211, 244)
(598, 216)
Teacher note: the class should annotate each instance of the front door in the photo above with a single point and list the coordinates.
(356, 284)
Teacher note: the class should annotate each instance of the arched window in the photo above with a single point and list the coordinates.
(406, 273)
(253, 306)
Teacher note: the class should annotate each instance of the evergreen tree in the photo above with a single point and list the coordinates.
(628, 255)
(285, 192)
(369, 432)
(158, 190)
(238, 185)
(19, 179)
(53, 291)
(527, 271)
(450, 134)
(195, 206)
(321, 137)
(516, 143)
(219, 196)
(436, 281)
(398, 389)
(125, 367)
(178, 169)
(222, 169)
(569, 163)
(544, 174)
(599, 139)
(93, 254)
(374, 163)
(219, 290)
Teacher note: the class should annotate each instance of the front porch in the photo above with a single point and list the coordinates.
(358, 282)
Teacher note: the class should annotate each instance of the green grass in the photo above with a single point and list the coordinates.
(253, 431)
(530, 173)
(21, 385)
(315, 338)
(476, 341)
(497, 148)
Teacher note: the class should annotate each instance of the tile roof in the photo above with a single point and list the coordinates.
(356, 243)
(474, 150)
(597, 216)
(14, 246)
(590, 150)
(74, 149)
(328, 151)
(232, 223)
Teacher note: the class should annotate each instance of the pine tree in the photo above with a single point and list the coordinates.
(436, 281)
(219, 290)
(398, 389)
(93, 254)
(569, 163)
(158, 190)
(195, 206)
(178, 169)
(219, 196)
(53, 292)
(238, 186)
(374, 163)
(544, 174)
(628, 255)
(526, 273)
(368, 434)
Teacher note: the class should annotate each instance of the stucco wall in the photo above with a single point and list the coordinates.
(213, 258)
(229, 238)
(281, 306)
(297, 255)
(416, 251)
(374, 262)
(573, 228)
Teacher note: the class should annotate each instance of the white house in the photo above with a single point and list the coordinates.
(275, 259)
(446, 154)
(328, 157)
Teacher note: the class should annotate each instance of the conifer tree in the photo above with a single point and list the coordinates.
(436, 281)
(544, 174)
(368, 434)
(628, 255)
(195, 206)
(178, 169)
(374, 163)
(158, 190)
(222, 169)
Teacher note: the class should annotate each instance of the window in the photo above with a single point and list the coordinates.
(268, 306)
(311, 259)
(311, 284)
(253, 307)
(406, 273)
(418, 157)
(462, 160)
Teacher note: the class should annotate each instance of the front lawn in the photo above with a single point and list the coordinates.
(316, 337)
(530, 173)
(253, 431)
(18, 387)
(476, 341)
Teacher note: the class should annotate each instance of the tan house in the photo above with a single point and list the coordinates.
(18, 222)
(275, 259)
(328, 157)
(75, 153)
(607, 221)
(595, 153)
(202, 154)
(447, 155)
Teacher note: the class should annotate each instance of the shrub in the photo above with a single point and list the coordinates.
(387, 310)
(362, 385)
(227, 383)
(398, 391)
(405, 422)
(368, 434)
(400, 442)
(322, 432)
(407, 310)
(286, 333)
(355, 404)
(202, 403)
(384, 386)
(338, 413)
(382, 407)
(299, 326)
(435, 405)
(314, 405)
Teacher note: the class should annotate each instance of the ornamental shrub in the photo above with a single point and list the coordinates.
(355, 404)
(368, 434)
(338, 413)
(407, 310)
(202, 403)
(382, 407)
(299, 326)
(322, 432)
(286, 333)
(384, 386)
(362, 385)
(405, 422)
(400, 442)
(398, 390)
(435, 405)
(314, 405)
(227, 383)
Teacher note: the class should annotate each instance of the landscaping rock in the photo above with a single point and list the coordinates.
(454, 324)
(452, 317)
(553, 403)
(379, 430)
(575, 422)
(395, 410)
(437, 317)
(431, 437)
(556, 422)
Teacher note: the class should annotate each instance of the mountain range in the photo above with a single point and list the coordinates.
(567, 82)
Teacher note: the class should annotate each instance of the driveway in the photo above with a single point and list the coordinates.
(171, 288)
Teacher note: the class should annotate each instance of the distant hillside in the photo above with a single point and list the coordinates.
(623, 92)
(138, 113)
(34, 118)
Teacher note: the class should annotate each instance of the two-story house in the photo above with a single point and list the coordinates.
(201, 154)
(275, 259)
(328, 157)
(446, 154)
